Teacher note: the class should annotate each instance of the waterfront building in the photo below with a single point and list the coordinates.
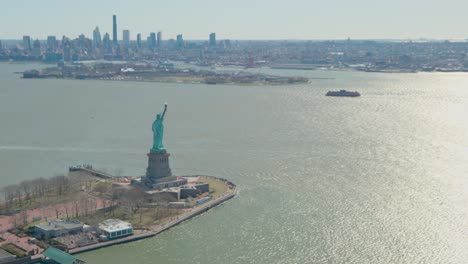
(152, 41)
(212, 40)
(97, 37)
(114, 29)
(115, 228)
(51, 43)
(163, 182)
(139, 40)
(57, 228)
(126, 37)
(27, 43)
(159, 39)
(180, 41)
(56, 256)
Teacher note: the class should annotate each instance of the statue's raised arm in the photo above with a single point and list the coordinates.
(164, 112)
(158, 131)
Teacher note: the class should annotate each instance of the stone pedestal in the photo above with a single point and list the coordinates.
(158, 166)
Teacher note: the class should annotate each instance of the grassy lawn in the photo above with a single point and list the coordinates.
(217, 187)
(13, 249)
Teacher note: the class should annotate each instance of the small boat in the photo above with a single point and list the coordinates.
(343, 93)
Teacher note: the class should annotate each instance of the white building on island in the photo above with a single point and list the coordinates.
(115, 228)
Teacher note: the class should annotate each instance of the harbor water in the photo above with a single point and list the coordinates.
(382, 178)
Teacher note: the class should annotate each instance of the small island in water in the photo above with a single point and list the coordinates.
(49, 219)
(156, 72)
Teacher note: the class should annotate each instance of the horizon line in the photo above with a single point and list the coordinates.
(286, 39)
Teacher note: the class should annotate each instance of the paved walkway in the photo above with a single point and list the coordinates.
(161, 228)
(21, 242)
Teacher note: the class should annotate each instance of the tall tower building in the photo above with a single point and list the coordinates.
(139, 40)
(27, 42)
(67, 54)
(159, 39)
(114, 29)
(51, 43)
(96, 37)
(180, 41)
(152, 40)
(36, 50)
(107, 42)
(213, 40)
(126, 37)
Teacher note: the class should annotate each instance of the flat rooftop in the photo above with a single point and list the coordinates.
(112, 225)
(60, 224)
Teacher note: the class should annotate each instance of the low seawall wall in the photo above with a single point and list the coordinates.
(202, 209)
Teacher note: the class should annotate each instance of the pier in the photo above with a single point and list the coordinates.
(89, 169)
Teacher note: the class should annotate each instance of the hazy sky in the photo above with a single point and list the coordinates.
(239, 19)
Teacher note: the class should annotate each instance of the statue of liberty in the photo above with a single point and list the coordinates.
(158, 132)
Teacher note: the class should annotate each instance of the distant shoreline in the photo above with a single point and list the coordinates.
(149, 72)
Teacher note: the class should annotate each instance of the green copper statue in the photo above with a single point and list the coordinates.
(158, 132)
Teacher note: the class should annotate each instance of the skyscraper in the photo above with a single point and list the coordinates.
(27, 42)
(67, 55)
(107, 42)
(96, 37)
(152, 40)
(126, 37)
(139, 40)
(114, 29)
(51, 43)
(36, 49)
(213, 40)
(180, 41)
(159, 39)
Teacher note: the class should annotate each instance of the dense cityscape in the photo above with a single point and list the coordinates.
(365, 55)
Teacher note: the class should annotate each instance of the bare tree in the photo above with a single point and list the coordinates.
(76, 208)
(9, 193)
(24, 216)
(61, 183)
(27, 187)
(57, 212)
(40, 187)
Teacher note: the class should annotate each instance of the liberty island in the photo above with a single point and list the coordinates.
(112, 210)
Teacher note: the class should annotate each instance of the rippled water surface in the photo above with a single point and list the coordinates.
(378, 179)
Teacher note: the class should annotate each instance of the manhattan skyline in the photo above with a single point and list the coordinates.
(243, 20)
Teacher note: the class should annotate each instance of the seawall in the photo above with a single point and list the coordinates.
(184, 217)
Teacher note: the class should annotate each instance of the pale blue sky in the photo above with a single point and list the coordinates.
(239, 19)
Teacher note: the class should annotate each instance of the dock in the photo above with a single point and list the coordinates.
(89, 169)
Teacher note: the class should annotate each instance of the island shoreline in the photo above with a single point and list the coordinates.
(158, 229)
